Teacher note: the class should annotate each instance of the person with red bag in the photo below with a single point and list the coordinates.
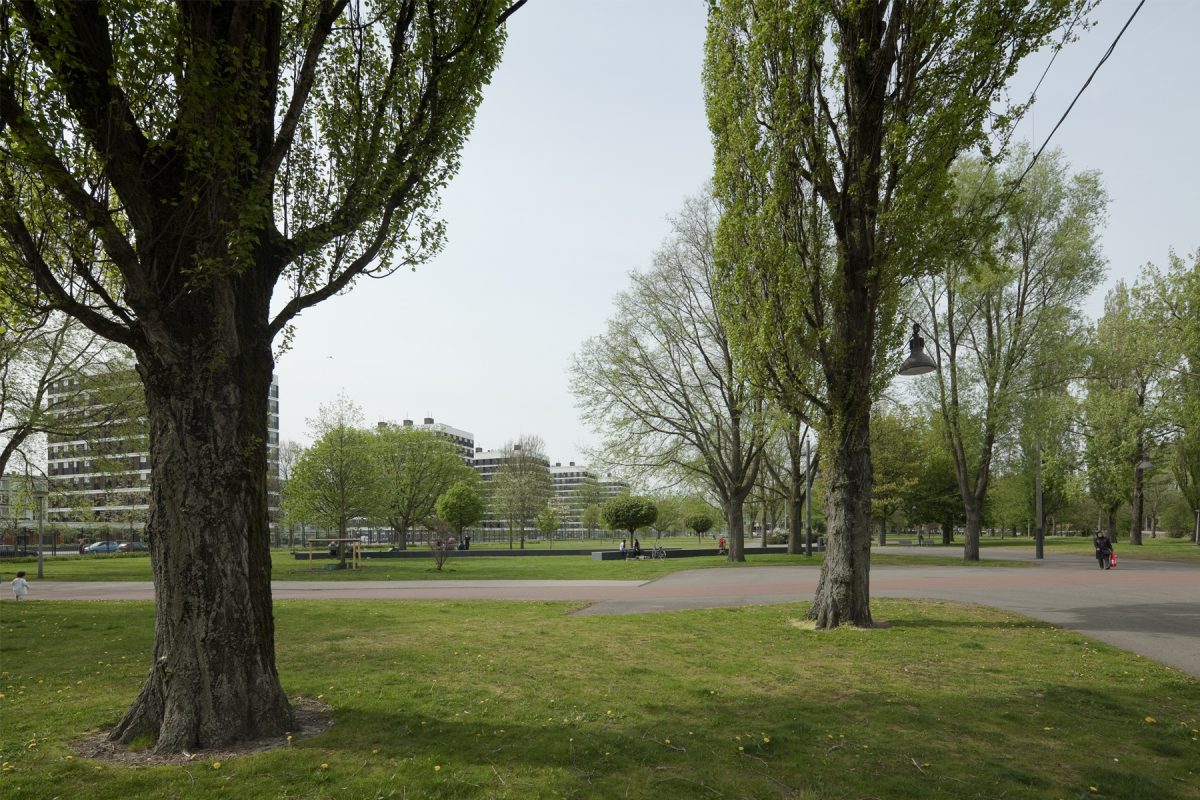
(1104, 551)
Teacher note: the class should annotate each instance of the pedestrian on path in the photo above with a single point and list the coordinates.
(1104, 550)
(20, 586)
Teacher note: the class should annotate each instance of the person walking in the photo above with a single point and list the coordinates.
(1104, 550)
(20, 586)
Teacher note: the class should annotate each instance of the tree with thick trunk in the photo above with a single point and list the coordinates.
(214, 153)
(835, 125)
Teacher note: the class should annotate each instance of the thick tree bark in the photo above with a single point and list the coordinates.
(796, 497)
(974, 511)
(735, 520)
(213, 679)
(1137, 507)
(843, 594)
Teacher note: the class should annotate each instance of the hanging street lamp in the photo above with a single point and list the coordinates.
(918, 361)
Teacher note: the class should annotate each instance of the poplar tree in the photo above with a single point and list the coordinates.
(841, 120)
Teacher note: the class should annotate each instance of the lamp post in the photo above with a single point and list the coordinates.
(808, 477)
(1040, 534)
(918, 361)
(40, 492)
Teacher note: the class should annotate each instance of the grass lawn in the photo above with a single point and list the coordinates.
(286, 568)
(519, 700)
(1159, 549)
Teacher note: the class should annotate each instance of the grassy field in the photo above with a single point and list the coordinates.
(136, 567)
(520, 700)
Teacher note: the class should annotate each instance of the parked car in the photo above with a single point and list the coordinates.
(133, 547)
(102, 547)
(12, 551)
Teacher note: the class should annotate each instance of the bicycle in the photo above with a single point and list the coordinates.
(659, 552)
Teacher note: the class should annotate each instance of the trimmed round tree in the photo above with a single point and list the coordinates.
(628, 513)
(460, 506)
(698, 524)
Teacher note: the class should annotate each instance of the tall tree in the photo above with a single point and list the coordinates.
(214, 152)
(851, 114)
(413, 468)
(522, 485)
(333, 481)
(895, 443)
(662, 383)
(289, 455)
(1137, 357)
(999, 314)
(1178, 293)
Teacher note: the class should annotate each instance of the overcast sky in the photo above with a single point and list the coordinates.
(592, 133)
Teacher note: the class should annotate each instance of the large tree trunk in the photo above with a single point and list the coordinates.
(1137, 507)
(213, 680)
(974, 511)
(795, 543)
(735, 520)
(796, 495)
(843, 594)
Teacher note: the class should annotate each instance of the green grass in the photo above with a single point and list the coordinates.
(520, 700)
(286, 568)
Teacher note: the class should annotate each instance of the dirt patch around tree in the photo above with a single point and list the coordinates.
(313, 717)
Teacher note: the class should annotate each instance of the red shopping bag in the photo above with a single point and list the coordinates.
(1112, 559)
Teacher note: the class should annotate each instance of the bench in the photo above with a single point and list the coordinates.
(907, 542)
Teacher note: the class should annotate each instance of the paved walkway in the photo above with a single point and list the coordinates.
(1148, 607)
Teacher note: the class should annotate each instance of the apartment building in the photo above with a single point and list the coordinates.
(487, 464)
(575, 488)
(463, 441)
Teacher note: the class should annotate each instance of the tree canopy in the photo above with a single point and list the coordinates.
(628, 513)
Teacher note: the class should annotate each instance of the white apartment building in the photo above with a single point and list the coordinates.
(487, 463)
(464, 441)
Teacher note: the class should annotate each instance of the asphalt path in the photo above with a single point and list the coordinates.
(1148, 607)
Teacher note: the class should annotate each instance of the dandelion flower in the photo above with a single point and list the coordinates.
(766, 740)
(1151, 720)
(437, 767)
(216, 765)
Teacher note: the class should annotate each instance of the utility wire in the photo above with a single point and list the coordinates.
(1017, 183)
